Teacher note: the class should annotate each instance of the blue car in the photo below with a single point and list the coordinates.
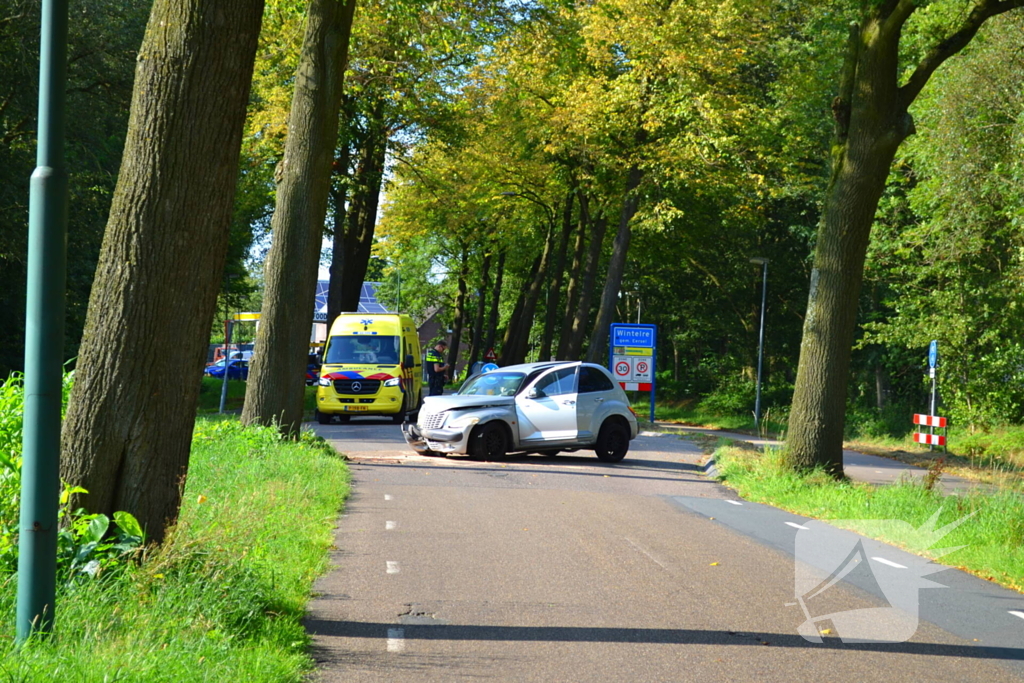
(237, 369)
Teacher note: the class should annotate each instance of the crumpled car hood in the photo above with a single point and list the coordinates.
(437, 404)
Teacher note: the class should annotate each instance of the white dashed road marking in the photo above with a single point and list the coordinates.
(388, 526)
(798, 526)
(1017, 614)
(396, 639)
(888, 562)
(392, 567)
(387, 496)
(734, 502)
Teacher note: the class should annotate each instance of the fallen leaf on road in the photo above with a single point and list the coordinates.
(826, 631)
(714, 564)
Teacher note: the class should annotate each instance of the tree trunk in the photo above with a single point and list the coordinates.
(582, 316)
(460, 314)
(616, 267)
(555, 286)
(522, 340)
(492, 319)
(872, 119)
(481, 305)
(572, 294)
(127, 434)
(339, 196)
(510, 345)
(363, 212)
(276, 388)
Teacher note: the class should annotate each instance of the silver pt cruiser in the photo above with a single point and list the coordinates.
(535, 407)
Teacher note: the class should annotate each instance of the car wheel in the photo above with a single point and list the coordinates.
(549, 453)
(323, 418)
(344, 418)
(612, 441)
(488, 442)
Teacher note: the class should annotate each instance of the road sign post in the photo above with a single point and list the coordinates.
(933, 364)
(631, 357)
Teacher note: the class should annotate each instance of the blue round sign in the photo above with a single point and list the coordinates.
(489, 367)
(933, 353)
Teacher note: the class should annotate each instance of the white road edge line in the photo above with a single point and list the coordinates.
(392, 567)
(388, 526)
(387, 496)
(888, 562)
(798, 526)
(396, 639)
(1017, 614)
(734, 502)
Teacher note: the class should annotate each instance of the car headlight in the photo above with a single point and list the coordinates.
(463, 422)
(324, 382)
(393, 382)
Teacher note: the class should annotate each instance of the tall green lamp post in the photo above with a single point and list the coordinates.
(44, 337)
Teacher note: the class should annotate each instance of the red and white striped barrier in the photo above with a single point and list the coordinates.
(635, 386)
(929, 420)
(930, 439)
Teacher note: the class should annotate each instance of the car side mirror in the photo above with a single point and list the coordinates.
(409, 362)
(534, 392)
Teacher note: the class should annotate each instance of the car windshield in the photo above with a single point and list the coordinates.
(363, 348)
(494, 383)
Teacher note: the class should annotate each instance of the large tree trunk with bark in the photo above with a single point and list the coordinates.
(581, 318)
(339, 197)
(481, 306)
(555, 284)
(572, 290)
(521, 344)
(276, 386)
(128, 431)
(492, 318)
(516, 321)
(460, 313)
(616, 267)
(362, 223)
(872, 119)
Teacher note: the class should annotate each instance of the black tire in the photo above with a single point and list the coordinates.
(488, 442)
(612, 441)
(344, 418)
(549, 453)
(323, 418)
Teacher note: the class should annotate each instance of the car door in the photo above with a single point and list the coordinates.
(595, 389)
(550, 415)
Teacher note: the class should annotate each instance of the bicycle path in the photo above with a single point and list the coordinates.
(871, 469)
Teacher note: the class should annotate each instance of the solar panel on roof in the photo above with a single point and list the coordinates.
(368, 302)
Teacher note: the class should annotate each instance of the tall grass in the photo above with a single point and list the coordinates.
(222, 599)
(993, 536)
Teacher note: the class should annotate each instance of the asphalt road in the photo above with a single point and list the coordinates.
(568, 569)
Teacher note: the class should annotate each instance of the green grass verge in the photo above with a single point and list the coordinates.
(696, 417)
(993, 537)
(209, 396)
(222, 599)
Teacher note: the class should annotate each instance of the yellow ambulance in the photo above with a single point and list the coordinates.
(371, 366)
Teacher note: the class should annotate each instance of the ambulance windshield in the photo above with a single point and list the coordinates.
(363, 349)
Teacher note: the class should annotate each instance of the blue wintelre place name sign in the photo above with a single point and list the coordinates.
(633, 335)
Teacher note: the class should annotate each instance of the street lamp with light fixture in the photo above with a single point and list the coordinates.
(763, 262)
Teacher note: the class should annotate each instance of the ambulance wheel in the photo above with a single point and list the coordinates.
(323, 418)
(344, 418)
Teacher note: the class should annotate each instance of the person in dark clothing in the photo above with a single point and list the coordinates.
(437, 368)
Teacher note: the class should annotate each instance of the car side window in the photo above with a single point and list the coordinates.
(559, 382)
(592, 379)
